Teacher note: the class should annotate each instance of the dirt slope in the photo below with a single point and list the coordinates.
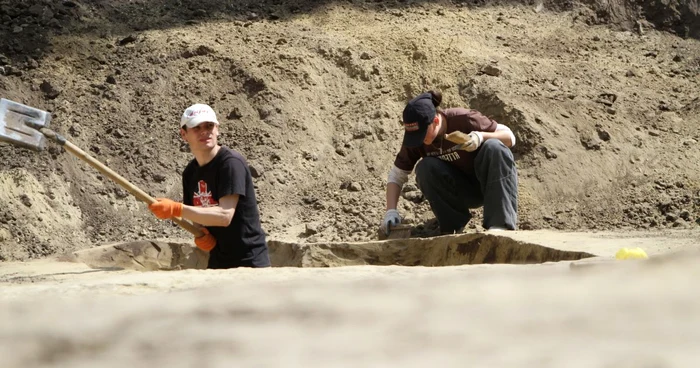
(604, 106)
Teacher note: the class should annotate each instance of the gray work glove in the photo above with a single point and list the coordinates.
(391, 218)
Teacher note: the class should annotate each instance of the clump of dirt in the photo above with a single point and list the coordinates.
(143, 255)
(604, 105)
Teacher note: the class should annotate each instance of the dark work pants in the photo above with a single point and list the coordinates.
(451, 192)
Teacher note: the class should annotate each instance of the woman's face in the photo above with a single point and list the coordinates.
(433, 131)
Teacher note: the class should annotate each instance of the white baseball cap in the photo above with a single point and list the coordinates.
(198, 114)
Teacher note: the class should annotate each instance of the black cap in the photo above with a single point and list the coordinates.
(417, 116)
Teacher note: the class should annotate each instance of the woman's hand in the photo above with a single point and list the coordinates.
(391, 218)
(468, 142)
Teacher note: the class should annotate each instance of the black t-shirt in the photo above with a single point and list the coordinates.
(242, 243)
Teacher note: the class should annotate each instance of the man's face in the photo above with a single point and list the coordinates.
(201, 137)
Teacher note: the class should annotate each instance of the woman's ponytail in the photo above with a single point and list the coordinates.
(436, 96)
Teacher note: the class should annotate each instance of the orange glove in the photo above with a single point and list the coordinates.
(165, 208)
(206, 242)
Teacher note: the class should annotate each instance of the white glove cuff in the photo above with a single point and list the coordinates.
(398, 176)
(481, 137)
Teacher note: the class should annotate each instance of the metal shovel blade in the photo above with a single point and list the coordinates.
(20, 124)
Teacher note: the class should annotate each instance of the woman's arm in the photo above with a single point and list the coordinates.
(502, 135)
(397, 178)
(393, 191)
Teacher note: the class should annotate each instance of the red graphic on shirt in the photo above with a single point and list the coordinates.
(203, 198)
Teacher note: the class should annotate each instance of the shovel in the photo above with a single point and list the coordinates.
(28, 127)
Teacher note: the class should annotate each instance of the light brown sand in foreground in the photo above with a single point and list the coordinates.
(615, 314)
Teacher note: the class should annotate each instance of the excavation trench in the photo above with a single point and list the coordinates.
(465, 249)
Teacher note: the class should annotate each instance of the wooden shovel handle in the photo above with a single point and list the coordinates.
(138, 193)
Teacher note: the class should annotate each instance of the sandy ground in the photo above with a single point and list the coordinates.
(606, 120)
(611, 314)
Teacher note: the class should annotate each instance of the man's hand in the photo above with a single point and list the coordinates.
(468, 142)
(391, 218)
(207, 242)
(165, 208)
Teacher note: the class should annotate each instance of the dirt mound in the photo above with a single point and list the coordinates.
(681, 17)
(436, 251)
(144, 255)
(311, 92)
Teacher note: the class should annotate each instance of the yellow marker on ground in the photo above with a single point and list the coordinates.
(631, 253)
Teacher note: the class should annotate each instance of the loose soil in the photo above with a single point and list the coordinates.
(604, 101)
